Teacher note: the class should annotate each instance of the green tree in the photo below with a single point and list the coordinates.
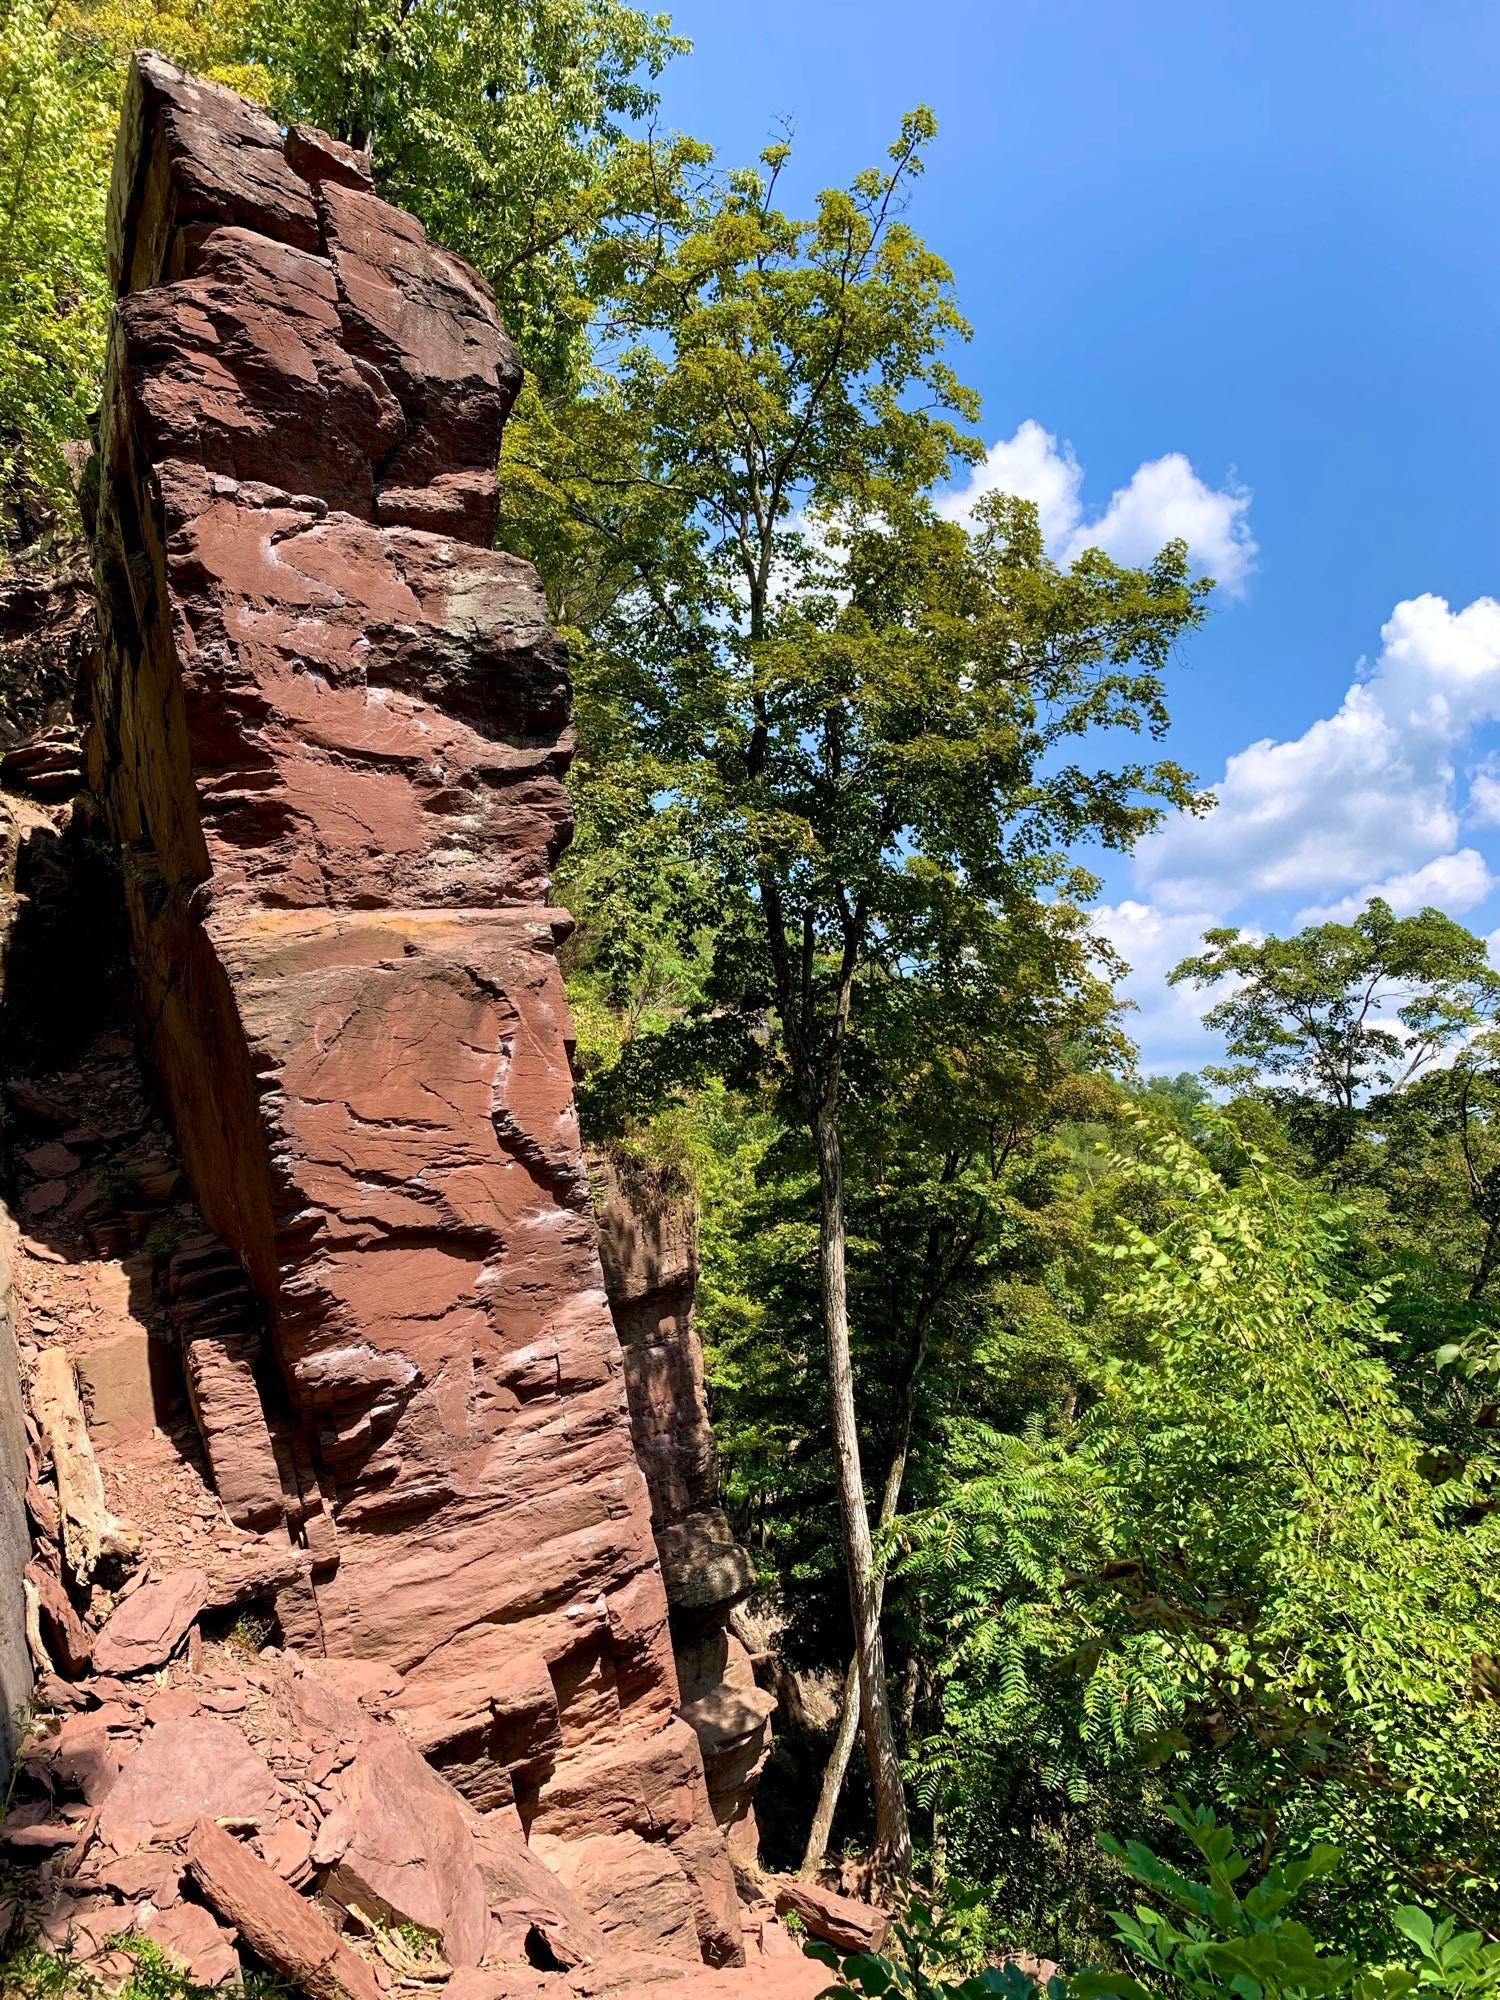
(1240, 1572)
(1341, 1011)
(1217, 1927)
(956, 1081)
(500, 123)
(1436, 1161)
(62, 69)
(53, 108)
(865, 711)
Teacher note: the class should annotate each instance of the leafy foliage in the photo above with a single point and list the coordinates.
(500, 123)
(1239, 1563)
(1201, 1938)
(30, 1971)
(1341, 1010)
(62, 68)
(1175, 1429)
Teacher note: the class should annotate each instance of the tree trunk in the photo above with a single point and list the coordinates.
(892, 1832)
(834, 1772)
(1489, 1256)
(837, 1767)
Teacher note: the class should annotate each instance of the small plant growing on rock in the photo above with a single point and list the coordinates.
(117, 1181)
(30, 1971)
(161, 1241)
(247, 1636)
(419, 1941)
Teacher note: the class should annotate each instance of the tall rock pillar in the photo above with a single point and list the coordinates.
(648, 1242)
(330, 726)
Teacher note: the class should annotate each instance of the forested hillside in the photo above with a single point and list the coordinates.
(1118, 1452)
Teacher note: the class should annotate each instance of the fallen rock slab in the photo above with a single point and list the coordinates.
(839, 1920)
(89, 1529)
(277, 1924)
(401, 1847)
(182, 1771)
(63, 1632)
(635, 1890)
(189, 1935)
(146, 1630)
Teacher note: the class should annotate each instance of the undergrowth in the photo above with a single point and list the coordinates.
(30, 1971)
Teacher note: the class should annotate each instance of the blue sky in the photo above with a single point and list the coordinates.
(1233, 272)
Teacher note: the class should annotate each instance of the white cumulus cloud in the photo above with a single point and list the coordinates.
(1366, 795)
(1452, 882)
(1163, 500)
(1165, 1021)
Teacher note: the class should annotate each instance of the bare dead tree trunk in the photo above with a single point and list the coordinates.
(892, 1830)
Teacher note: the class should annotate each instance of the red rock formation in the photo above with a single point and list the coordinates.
(648, 1244)
(329, 728)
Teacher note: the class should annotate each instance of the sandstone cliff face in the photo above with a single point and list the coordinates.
(329, 728)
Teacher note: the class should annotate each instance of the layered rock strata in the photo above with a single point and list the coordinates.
(329, 728)
(648, 1244)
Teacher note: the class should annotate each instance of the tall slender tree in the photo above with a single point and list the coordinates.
(864, 712)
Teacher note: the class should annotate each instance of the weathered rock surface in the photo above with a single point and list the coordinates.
(184, 1768)
(146, 1630)
(90, 1530)
(839, 1920)
(273, 1804)
(15, 1537)
(329, 728)
(648, 1248)
(194, 1942)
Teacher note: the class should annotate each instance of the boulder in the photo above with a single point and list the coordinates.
(146, 1630)
(635, 1890)
(193, 1941)
(531, 1905)
(397, 1845)
(182, 1771)
(649, 1252)
(838, 1920)
(91, 1747)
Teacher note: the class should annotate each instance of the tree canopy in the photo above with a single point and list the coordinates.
(1343, 1009)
